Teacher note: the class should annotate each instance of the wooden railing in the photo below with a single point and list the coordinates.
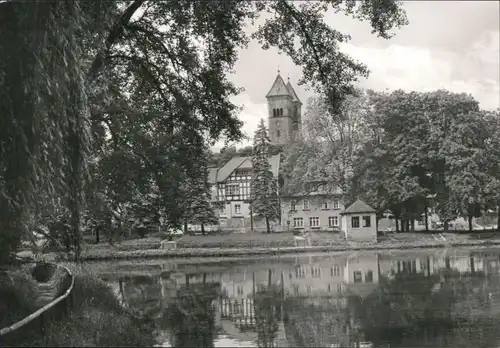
(37, 322)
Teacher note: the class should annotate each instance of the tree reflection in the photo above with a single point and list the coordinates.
(268, 313)
(427, 311)
(316, 323)
(190, 316)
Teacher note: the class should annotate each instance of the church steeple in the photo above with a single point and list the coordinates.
(284, 111)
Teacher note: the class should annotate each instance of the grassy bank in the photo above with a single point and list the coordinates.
(96, 319)
(207, 247)
(18, 294)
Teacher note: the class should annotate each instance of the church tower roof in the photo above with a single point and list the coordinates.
(279, 88)
(292, 92)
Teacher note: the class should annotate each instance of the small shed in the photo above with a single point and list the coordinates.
(359, 222)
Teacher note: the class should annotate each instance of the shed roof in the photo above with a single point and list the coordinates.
(358, 207)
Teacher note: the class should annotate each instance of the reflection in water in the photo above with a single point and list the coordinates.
(357, 300)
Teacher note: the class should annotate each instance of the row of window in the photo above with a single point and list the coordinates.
(237, 209)
(314, 221)
(277, 112)
(358, 277)
(333, 221)
(300, 272)
(366, 221)
(335, 204)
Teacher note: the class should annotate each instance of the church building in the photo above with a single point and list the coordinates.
(231, 182)
(285, 116)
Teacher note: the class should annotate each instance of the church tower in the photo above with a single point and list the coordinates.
(285, 115)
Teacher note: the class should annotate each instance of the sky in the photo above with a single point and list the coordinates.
(451, 45)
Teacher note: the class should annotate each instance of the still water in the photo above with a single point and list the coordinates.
(444, 298)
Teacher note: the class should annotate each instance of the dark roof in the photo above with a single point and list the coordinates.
(240, 162)
(279, 88)
(292, 92)
(358, 207)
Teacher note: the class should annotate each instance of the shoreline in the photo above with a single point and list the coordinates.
(109, 255)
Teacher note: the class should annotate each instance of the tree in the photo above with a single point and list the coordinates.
(492, 188)
(198, 190)
(264, 186)
(66, 63)
(444, 111)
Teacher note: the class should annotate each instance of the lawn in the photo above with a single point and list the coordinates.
(237, 240)
(256, 240)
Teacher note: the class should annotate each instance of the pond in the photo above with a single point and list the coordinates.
(440, 298)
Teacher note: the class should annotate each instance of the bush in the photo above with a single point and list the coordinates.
(97, 320)
(96, 327)
(18, 295)
(43, 272)
(89, 291)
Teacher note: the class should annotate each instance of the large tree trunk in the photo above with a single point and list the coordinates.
(470, 222)
(202, 229)
(397, 224)
(446, 226)
(268, 226)
(413, 225)
(97, 235)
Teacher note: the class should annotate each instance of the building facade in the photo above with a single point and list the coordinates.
(318, 209)
(231, 190)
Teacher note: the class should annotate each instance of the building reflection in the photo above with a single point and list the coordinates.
(317, 281)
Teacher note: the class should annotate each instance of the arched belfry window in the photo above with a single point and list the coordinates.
(281, 112)
(274, 112)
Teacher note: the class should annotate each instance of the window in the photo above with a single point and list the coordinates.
(336, 270)
(281, 112)
(232, 190)
(292, 205)
(339, 288)
(333, 221)
(237, 209)
(298, 222)
(369, 277)
(314, 221)
(278, 133)
(367, 221)
(240, 290)
(335, 203)
(324, 204)
(316, 272)
(274, 113)
(295, 289)
(305, 204)
(309, 289)
(358, 277)
(355, 222)
(329, 288)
